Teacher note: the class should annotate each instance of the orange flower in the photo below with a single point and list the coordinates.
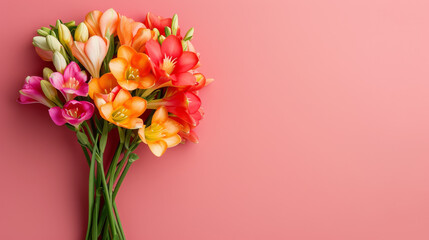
(132, 69)
(106, 86)
(123, 111)
(162, 133)
(134, 34)
(102, 24)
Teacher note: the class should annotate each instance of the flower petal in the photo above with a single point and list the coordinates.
(118, 67)
(56, 114)
(184, 79)
(121, 98)
(158, 148)
(141, 62)
(96, 50)
(57, 80)
(172, 47)
(160, 115)
(186, 62)
(108, 22)
(146, 81)
(126, 53)
(133, 123)
(137, 105)
(153, 49)
(172, 141)
(106, 111)
(71, 70)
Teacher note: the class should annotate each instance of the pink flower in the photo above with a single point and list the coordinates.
(171, 62)
(73, 112)
(32, 92)
(72, 83)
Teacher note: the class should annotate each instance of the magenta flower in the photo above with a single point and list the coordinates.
(73, 112)
(32, 92)
(72, 83)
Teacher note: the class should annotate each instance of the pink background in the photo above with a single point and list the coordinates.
(317, 127)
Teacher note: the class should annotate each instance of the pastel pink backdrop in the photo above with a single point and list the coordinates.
(317, 127)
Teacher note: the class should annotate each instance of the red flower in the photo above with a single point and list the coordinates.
(171, 63)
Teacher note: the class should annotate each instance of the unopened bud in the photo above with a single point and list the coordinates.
(40, 42)
(189, 35)
(64, 34)
(42, 33)
(174, 24)
(161, 39)
(49, 90)
(53, 43)
(59, 62)
(47, 73)
(81, 34)
(70, 24)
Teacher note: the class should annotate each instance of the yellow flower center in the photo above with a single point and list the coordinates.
(132, 73)
(154, 132)
(71, 83)
(120, 114)
(168, 64)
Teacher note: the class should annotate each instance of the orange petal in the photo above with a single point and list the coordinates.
(142, 36)
(171, 127)
(126, 53)
(121, 98)
(94, 87)
(141, 62)
(91, 21)
(141, 134)
(147, 81)
(124, 31)
(106, 111)
(160, 115)
(133, 123)
(137, 105)
(129, 85)
(107, 82)
(172, 141)
(118, 67)
(158, 148)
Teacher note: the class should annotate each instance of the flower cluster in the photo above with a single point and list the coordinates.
(138, 75)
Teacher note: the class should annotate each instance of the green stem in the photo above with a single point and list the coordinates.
(119, 221)
(91, 191)
(108, 200)
(98, 193)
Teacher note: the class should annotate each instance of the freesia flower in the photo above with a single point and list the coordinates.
(123, 111)
(171, 62)
(107, 87)
(91, 54)
(134, 34)
(72, 83)
(162, 133)
(102, 24)
(180, 103)
(132, 69)
(32, 92)
(73, 112)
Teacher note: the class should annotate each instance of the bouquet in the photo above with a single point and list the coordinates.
(112, 73)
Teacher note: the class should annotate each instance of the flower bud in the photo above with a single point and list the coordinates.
(189, 35)
(46, 29)
(64, 34)
(42, 33)
(81, 34)
(40, 42)
(53, 43)
(59, 62)
(167, 31)
(174, 24)
(156, 33)
(47, 73)
(161, 39)
(49, 90)
(70, 24)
